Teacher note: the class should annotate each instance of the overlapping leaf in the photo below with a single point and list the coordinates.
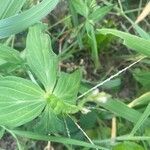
(9, 54)
(80, 7)
(10, 7)
(60, 93)
(68, 86)
(99, 13)
(18, 23)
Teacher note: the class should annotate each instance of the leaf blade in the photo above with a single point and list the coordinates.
(24, 101)
(131, 41)
(67, 86)
(45, 62)
(20, 22)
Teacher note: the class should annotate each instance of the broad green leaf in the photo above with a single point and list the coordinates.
(93, 43)
(40, 57)
(68, 86)
(62, 140)
(49, 122)
(80, 7)
(136, 43)
(99, 13)
(128, 146)
(20, 101)
(142, 100)
(20, 22)
(9, 54)
(10, 7)
(141, 120)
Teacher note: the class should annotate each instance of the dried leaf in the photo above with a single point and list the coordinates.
(144, 13)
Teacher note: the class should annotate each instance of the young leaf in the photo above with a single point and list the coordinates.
(99, 13)
(20, 101)
(40, 57)
(80, 7)
(68, 86)
(9, 54)
(131, 41)
(20, 22)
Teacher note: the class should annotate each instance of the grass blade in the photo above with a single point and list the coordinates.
(62, 140)
(142, 119)
(136, 43)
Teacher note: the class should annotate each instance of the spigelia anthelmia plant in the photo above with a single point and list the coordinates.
(82, 73)
(26, 100)
(46, 99)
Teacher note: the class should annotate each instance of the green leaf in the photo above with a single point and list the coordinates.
(9, 54)
(141, 120)
(136, 43)
(10, 7)
(80, 7)
(93, 43)
(128, 146)
(138, 29)
(62, 140)
(20, 101)
(49, 122)
(40, 57)
(117, 107)
(68, 86)
(75, 22)
(99, 13)
(142, 100)
(20, 22)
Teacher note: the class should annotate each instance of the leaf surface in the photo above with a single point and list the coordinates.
(20, 101)
(80, 7)
(9, 54)
(49, 122)
(68, 86)
(100, 12)
(40, 57)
